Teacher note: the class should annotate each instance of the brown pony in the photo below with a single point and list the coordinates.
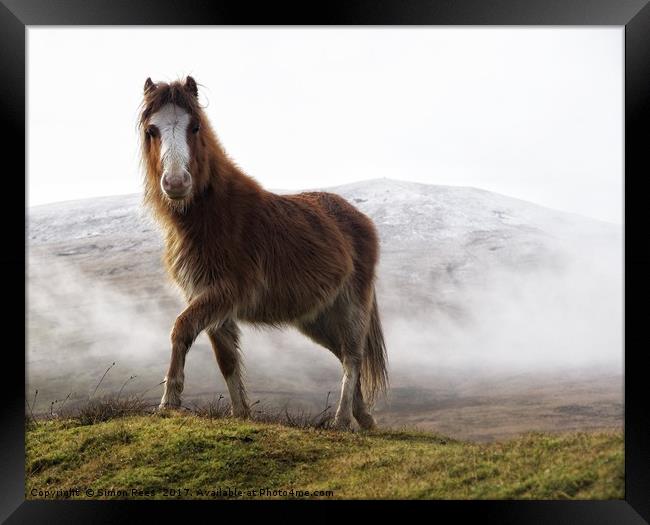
(241, 253)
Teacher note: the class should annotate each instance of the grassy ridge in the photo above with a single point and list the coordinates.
(178, 451)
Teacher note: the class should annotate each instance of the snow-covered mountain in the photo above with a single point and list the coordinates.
(445, 228)
(404, 212)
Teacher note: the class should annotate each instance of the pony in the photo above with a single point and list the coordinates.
(240, 253)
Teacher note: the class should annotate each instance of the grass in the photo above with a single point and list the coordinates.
(203, 454)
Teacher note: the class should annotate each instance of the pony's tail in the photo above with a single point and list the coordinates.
(374, 373)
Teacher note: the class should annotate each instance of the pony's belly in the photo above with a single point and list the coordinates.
(262, 315)
(286, 307)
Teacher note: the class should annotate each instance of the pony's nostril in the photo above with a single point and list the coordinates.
(173, 182)
(168, 183)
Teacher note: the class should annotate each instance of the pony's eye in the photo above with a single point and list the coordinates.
(151, 131)
(196, 128)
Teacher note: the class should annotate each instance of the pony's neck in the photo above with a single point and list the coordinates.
(220, 174)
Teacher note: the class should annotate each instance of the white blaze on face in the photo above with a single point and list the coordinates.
(172, 122)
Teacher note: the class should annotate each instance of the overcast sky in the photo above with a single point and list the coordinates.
(534, 113)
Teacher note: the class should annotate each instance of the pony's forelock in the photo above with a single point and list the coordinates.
(168, 93)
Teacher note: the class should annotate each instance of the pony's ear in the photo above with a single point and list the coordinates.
(191, 87)
(149, 85)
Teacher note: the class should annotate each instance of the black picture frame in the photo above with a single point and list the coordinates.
(16, 15)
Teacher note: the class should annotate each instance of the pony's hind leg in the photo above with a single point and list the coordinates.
(351, 318)
(341, 329)
(225, 343)
(351, 371)
(360, 409)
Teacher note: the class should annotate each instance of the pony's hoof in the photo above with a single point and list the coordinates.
(168, 405)
(366, 422)
(342, 424)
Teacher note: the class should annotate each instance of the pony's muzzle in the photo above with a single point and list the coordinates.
(176, 185)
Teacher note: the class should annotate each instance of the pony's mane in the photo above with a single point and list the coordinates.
(162, 94)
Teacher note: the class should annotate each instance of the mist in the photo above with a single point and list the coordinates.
(544, 318)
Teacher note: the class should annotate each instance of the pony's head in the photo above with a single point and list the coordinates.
(172, 125)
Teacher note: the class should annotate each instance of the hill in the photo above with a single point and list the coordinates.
(226, 458)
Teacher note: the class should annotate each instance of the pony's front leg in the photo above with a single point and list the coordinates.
(182, 337)
(206, 310)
